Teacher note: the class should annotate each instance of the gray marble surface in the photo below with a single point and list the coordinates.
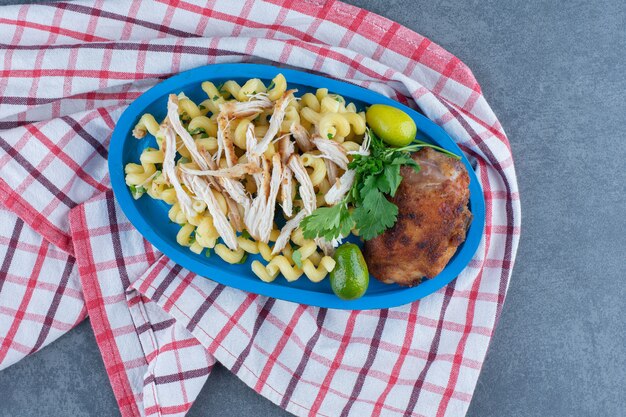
(555, 74)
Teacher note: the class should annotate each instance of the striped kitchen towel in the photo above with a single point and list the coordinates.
(70, 69)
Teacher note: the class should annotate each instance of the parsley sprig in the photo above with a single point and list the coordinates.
(366, 207)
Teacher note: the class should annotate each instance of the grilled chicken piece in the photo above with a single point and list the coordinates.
(432, 220)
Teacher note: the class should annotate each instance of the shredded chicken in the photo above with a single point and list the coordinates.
(286, 192)
(237, 171)
(364, 149)
(307, 193)
(275, 121)
(331, 171)
(332, 151)
(268, 218)
(224, 142)
(253, 158)
(201, 188)
(190, 144)
(327, 247)
(285, 232)
(233, 213)
(212, 167)
(259, 218)
(236, 191)
(169, 171)
(265, 180)
(225, 172)
(239, 109)
(339, 190)
(286, 149)
(301, 136)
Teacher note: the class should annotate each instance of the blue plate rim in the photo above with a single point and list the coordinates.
(125, 124)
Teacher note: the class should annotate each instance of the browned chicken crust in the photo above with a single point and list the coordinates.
(432, 221)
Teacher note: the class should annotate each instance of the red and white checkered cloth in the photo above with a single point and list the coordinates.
(69, 70)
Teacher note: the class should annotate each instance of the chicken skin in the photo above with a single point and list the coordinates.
(433, 218)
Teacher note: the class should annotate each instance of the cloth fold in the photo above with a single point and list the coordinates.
(69, 71)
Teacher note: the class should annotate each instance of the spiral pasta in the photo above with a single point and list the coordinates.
(188, 109)
(229, 151)
(147, 123)
(316, 274)
(317, 164)
(262, 272)
(279, 87)
(203, 124)
(282, 264)
(184, 237)
(229, 255)
(206, 234)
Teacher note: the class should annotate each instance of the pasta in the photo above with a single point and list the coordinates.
(279, 88)
(203, 124)
(147, 123)
(326, 265)
(261, 271)
(318, 174)
(265, 251)
(183, 237)
(289, 271)
(231, 159)
(206, 234)
(188, 109)
(229, 255)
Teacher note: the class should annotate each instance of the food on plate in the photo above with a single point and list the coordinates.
(257, 169)
(350, 277)
(432, 221)
(244, 160)
(392, 125)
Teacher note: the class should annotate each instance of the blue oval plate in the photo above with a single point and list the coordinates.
(150, 216)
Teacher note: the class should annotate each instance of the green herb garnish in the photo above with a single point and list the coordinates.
(137, 191)
(197, 131)
(377, 176)
(297, 258)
